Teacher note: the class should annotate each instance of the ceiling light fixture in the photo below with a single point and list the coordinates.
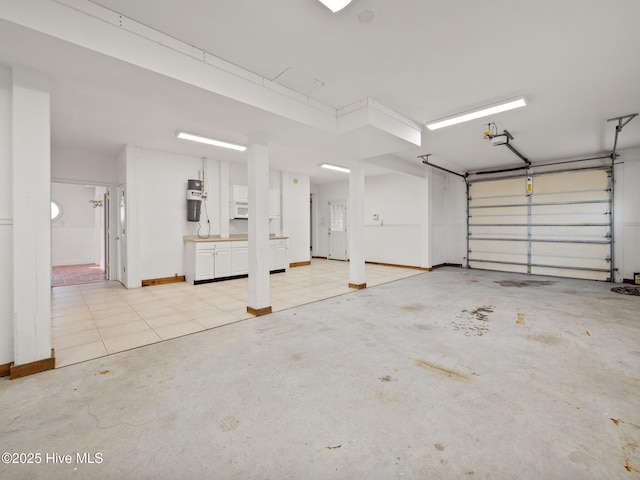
(337, 168)
(335, 5)
(483, 112)
(210, 141)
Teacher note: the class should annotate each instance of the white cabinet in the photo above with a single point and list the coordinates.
(239, 204)
(240, 194)
(205, 264)
(209, 261)
(239, 258)
(274, 204)
(278, 255)
(222, 260)
(206, 261)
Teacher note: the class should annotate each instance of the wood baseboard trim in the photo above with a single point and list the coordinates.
(321, 258)
(423, 269)
(260, 311)
(300, 264)
(38, 366)
(4, 370)
(457, 265)
(162, 281)
(358, 286)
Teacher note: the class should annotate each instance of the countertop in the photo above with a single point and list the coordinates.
(232, 238)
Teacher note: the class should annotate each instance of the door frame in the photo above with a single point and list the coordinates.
(109, 219)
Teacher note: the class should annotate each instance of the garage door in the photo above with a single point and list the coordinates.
(562, 228)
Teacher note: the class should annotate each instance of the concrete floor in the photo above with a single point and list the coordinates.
(444, 375)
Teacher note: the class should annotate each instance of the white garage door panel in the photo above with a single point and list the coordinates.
(567, 182)
(570, 233)
(489, 231)
(562, 229)
(570, 254)
(499, 189)
(580, 213)
(501, 248)
(498, 267)
(582, 274)
(490, 215)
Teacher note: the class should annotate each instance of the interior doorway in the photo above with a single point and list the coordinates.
(79, 233)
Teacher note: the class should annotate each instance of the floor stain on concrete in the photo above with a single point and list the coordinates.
(526, 283)
(629, 447)
(386, 378)
(520, 320)
(449, 372)
(228, 424)
(439, 447)
(480, 313)
(414, 307)
(546, 338)
(474, 322)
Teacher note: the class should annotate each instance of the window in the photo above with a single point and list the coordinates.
(56, 211)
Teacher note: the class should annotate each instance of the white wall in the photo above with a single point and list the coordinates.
(395, 238)
(449, 206)
(157, 206)
(401, 202)
(296, 215)
(6, 220)
(73, 234)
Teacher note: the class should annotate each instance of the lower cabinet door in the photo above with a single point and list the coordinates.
(240, 261)
(223, 263)
(205, 264)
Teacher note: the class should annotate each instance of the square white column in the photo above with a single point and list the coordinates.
(31, 155)
(258, 182)
(426, 220)
(357, 278)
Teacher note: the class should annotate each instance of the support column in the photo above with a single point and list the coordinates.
(224, 199)
(426, 219)
(6, 222)
(258, 182)
(31, 135)
(357, 278)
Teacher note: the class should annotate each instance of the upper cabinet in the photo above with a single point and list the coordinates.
(240, 194)
(274, 204)
(240, 201)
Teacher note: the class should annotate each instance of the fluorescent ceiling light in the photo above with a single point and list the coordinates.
(335, 5)
(335, 167)
(210, 141)
(483, 112)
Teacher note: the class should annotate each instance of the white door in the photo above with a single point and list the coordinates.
(337, 230)
(121, 237)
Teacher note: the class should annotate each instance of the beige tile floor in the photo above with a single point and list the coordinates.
(98, 319)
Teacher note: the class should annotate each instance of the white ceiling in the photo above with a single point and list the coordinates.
(576, 61)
